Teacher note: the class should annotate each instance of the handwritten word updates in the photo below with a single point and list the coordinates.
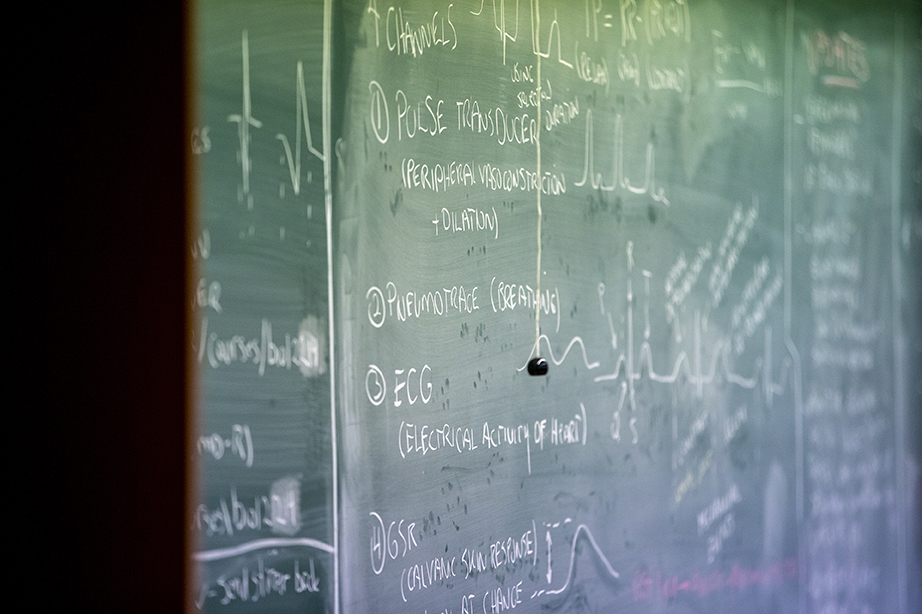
(840, 53)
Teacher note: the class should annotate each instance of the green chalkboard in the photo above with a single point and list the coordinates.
(701, 215)
(263, 525)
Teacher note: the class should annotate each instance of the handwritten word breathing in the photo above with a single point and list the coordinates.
(506, 297)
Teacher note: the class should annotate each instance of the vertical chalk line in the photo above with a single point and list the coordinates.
(328, 207)
(802, 567)
(538, 189)
(898, 347)
(788, 179)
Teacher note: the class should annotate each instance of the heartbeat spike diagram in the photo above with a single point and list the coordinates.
(630, 365)
(302, 119)
(245, 122)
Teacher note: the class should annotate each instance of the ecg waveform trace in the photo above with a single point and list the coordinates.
(629, 371)
(619, 179)
(581, 529)
(575, 340)
(302, 119)
(244, 121)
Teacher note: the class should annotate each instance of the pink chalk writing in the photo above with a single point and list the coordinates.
(646, 584)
